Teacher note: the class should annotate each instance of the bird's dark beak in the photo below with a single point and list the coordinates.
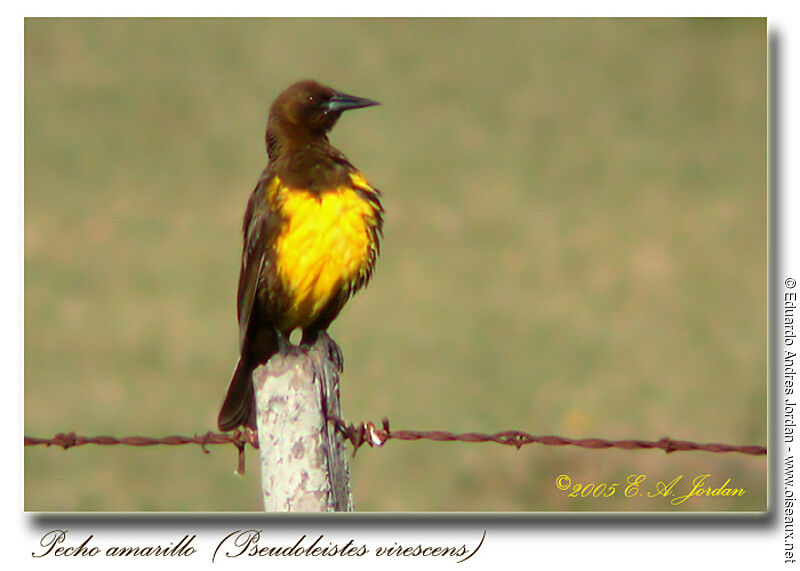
(342, 102)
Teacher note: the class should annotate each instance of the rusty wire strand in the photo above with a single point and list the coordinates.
(369, 433)
(238, 438)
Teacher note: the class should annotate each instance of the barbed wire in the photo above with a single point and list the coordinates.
(371, 434)
(238, 438)
(374, 436)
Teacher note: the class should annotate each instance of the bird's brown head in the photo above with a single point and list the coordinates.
(309, 107)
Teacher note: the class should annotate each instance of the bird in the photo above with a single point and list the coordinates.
(311, 237)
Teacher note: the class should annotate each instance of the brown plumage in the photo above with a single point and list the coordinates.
(311, 236)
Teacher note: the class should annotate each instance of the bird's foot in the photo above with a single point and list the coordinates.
(334, 353)
(328, 346)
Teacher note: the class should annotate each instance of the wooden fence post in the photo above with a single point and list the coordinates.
(304, 465)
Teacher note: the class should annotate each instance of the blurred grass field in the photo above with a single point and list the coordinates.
(575, 245)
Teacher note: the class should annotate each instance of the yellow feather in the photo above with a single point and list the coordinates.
(324, 245)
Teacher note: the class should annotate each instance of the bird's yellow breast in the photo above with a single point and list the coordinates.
(323, 246)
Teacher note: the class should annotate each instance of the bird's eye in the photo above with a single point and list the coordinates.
(310, 99)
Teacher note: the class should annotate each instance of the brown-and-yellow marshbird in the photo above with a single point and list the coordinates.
(312, 233)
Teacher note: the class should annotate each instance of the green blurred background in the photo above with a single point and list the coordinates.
(575, 245)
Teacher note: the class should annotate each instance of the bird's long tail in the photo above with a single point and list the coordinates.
(239, 406)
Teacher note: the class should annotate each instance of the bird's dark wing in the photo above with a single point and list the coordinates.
(255, 288)
(255, 305)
